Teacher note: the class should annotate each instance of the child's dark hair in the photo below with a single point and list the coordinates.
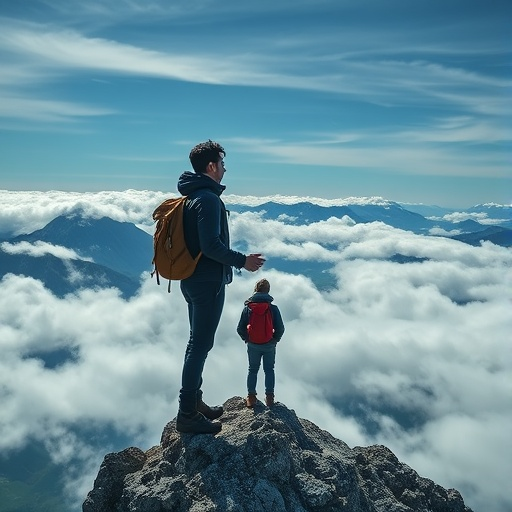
(262, 286)
(204, 153)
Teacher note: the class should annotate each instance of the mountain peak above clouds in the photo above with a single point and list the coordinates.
(120, 246)
(266, 459)
(76, 251)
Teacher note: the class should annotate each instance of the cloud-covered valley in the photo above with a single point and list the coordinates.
(414, 355)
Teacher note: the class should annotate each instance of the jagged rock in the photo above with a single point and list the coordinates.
(263, 460)
(109, 483)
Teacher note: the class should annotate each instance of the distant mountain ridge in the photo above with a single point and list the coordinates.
(121, 252)
(495, 234)
(390, 213)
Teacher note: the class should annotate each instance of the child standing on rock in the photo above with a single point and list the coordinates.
(261, 327)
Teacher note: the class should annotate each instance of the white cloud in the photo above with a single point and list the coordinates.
(421, 343)
(39, 248)
(24, 212)
(442, 232)
(481, 217)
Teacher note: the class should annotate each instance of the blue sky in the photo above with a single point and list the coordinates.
(408, 100)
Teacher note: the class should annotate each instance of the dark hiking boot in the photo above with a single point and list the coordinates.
(269, 399)
(197, 424)
(251, 400)
(212, 413)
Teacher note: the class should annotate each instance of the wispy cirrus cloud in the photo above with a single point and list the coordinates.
(392, 81)
(47, 110)
(69, 49)
(396, 152)
(379, 99)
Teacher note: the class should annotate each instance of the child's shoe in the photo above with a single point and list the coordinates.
(251, 400)
(269, 399)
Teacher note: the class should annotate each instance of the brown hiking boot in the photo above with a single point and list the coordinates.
(212, 413)
(251, 400)
(196, 424)
(269, 399)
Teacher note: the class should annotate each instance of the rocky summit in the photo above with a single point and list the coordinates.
(263, 460)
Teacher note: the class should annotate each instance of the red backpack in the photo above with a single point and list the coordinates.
(261, 326)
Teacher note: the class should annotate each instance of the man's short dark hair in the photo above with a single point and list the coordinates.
(204, 153)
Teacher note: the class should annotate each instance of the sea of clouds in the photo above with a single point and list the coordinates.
(421, 351)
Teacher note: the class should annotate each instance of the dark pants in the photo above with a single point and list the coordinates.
(205, 303)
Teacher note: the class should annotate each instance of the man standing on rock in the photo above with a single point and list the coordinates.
(206, 231)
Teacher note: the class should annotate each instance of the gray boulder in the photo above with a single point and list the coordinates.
(263, 460)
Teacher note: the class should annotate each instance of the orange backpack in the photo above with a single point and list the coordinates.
(171, 259)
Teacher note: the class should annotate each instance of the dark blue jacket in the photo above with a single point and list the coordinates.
(276, 317)
(206, 229)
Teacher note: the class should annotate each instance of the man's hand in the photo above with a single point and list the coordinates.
(253, 262)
